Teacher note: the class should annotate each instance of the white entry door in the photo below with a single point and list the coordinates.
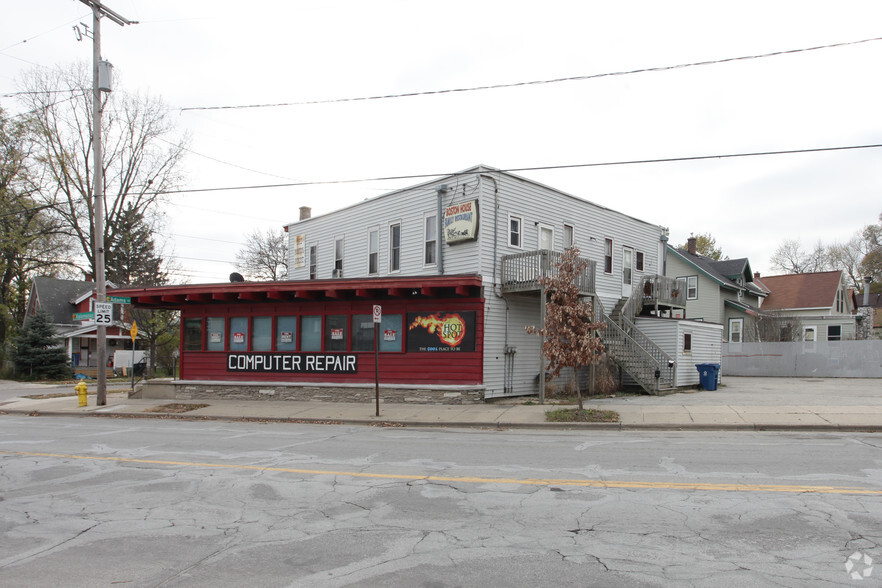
(627, 271)
(546, 238)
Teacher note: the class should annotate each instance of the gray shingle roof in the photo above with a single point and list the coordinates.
(56, 297)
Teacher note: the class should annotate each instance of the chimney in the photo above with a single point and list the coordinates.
(305, 212)
(756, 275)
(867, 280)
(691, 245)
(88, 277)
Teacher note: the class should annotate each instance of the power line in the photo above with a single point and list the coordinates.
(523, 169)
(534, 82)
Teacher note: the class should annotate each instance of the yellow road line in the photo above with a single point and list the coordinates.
(723, 487)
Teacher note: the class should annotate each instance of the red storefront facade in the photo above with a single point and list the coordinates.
(321, 332)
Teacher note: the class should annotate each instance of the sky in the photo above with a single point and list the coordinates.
(199, 53)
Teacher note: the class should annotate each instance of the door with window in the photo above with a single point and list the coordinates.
(627, 271)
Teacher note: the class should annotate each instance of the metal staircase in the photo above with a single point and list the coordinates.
(643, 360)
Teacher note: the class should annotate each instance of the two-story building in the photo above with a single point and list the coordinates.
(718, 291)
(449, 268)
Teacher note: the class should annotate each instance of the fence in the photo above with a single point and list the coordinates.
(820, 359)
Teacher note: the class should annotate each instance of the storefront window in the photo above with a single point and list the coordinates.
(311, 337)
(193, 334)
(362, 332)
(286, 333)
(390, 333)
(335, 332)
(262, 336)
(215, 329)
(239, 333)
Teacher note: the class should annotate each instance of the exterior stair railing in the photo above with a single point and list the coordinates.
(647, 363)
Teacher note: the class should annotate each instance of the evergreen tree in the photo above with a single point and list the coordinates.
(131, 259)
(38, 353)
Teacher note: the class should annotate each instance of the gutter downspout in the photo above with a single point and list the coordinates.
(507, 352)
(442, 191)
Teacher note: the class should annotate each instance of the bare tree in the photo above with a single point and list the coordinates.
(142, 154)
(265, 256)
(570, 333)
(772, 326)
(791, 258)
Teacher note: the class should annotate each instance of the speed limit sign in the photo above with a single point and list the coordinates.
(104, 313)
(378, 313)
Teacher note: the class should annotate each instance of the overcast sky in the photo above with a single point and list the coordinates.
(199, 53)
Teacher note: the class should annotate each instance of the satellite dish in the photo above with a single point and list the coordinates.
(236, 277)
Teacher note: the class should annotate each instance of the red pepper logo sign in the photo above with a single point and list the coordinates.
(450, 328)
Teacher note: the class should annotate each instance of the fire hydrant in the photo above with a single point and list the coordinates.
(81, 393)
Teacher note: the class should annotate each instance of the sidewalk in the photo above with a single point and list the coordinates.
(795, 404)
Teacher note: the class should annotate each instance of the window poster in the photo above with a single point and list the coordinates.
(441, 331)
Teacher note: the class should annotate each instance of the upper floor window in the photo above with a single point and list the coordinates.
(338, 258)
(607, 256)
(395, 247)
(514, 232)
(568, 237)
(313, 261)
(374, 251)
(430, 239)
(691, 287)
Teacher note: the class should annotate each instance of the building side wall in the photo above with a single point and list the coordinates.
(708, 306)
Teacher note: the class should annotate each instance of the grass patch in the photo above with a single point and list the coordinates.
(587, 415)
(175, 407)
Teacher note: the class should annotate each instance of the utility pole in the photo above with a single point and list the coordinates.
(98, 11)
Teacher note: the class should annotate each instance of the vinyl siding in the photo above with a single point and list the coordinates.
(499, 196)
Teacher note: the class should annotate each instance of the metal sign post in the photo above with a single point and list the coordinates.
(134, 333)
(378, 318)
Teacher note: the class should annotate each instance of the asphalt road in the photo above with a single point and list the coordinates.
(99, 502)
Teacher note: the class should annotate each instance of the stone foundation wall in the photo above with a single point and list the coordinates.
(269, 392)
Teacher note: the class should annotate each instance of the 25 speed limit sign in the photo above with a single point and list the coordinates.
(104, 313)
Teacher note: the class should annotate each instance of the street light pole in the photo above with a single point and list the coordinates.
(98, 185)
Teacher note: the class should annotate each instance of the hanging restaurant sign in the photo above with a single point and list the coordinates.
(461, 222)
(293, 363)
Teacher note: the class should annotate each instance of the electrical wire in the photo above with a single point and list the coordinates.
(533, 168)
(534, 82)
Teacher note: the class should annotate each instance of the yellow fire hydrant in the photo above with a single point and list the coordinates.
(81, 392)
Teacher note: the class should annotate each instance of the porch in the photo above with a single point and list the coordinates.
(521, 272)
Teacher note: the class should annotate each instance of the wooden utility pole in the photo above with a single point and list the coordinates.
(99, 11)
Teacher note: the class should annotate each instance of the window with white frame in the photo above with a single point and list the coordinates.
(430, 238)
(691, 287)
(834, 332)
(374, 251)
(638, 261)
(395, 247)
(338, 257)
(687, 342)
(313, 261)
(736, 330)
(607, 256)
(569, 236)
(515, 228)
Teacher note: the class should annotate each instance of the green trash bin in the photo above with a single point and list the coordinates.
(708, 374)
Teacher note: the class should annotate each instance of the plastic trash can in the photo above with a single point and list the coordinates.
(708, 374)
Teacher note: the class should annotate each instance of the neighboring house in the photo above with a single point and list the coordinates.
(449, 269)
(810, 307)
(63, 299)
(721, 292)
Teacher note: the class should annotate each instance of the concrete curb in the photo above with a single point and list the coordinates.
(501, 426)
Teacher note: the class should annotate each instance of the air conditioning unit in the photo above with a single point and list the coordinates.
(337, 273)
